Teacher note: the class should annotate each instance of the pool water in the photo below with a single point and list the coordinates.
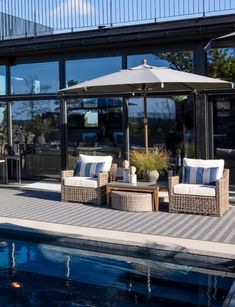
(45, 275)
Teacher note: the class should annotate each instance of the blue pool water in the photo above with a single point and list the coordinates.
(45, 275)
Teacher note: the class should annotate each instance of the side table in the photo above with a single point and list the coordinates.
(140, 186)
(131, 201)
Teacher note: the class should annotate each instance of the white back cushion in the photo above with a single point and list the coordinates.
(106, 159)
(206, 163)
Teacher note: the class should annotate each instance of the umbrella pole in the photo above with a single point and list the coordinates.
(146, 145)
(126, 130)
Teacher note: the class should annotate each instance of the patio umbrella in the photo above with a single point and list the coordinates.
(146, 79)
(227, 40)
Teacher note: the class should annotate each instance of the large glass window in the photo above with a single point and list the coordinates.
(170, 119)
(2, 80)
(36, 135)
(36, 78)
(152, 59)
(86, 69)
(170, 123)
(3, 127)
(95, 127)
(224, 131)
(180, 60)
(221, 63)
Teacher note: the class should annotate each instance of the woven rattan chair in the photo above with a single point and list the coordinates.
(209, 205)
(87, 194)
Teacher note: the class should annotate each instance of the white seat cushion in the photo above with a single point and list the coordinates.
(206, 164)
(86, 182)
(106, 159)
(194, 189)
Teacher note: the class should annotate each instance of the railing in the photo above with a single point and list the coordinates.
(23, 18)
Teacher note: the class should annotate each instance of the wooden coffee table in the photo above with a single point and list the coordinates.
(141, 186)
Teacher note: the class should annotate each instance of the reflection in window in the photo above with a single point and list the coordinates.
(91, 119)
(3, 127)
(152, 59)
(224, 122)
(224, 131)
(36, 135)
(170, 123)
(94, 127)
(221, 63)
(161, 119)
(179, 60)
(2, 80)
(186, 103)
(86, 69)
(36, 78)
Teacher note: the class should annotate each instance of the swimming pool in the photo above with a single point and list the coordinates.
(45, 275)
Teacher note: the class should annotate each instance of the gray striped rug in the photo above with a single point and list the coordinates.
(46, 207)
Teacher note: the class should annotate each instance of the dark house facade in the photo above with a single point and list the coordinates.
(50, 130)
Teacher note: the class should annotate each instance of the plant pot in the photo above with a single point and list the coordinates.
(151, 176)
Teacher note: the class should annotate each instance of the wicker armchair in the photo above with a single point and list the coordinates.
(87, 194)
(208, 205)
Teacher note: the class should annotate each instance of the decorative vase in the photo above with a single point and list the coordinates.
(133, 179)
(152, 176)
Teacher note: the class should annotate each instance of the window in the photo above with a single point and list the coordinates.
(91, 119)
(36, 135)
(36, 78)
(94, 127)
(3, 126)
(221, 63)
(152, 59)
(2, 80)
(86, 69)
(180, 60)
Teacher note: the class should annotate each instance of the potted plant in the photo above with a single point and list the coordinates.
(152, 163)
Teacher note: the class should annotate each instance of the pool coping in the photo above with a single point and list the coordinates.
(139, 245)
(230, 298)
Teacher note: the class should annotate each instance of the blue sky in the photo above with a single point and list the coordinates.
(87, 13)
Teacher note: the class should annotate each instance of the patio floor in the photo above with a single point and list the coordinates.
(45, 206)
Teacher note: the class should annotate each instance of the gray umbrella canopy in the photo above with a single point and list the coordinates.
(144, 80)
(150, 79)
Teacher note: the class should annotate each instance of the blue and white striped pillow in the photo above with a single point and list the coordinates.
(89, 169)
(200, 175)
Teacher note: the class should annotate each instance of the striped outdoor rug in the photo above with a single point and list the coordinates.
(46, 207)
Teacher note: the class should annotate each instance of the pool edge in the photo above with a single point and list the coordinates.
(149, 246)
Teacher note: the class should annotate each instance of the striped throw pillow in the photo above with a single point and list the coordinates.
(200, 175)
(89, 169)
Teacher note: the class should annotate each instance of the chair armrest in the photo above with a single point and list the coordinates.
(65, 174)
(172, 181)
(222, 185)
(102, 179)
(113, 172)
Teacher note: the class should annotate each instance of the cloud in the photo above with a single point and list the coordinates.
(74, 7)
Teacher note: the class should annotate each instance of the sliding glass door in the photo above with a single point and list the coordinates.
(224, 131)
(36, 137)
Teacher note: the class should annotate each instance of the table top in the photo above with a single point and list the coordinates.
(12, 157)
(138, 185)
